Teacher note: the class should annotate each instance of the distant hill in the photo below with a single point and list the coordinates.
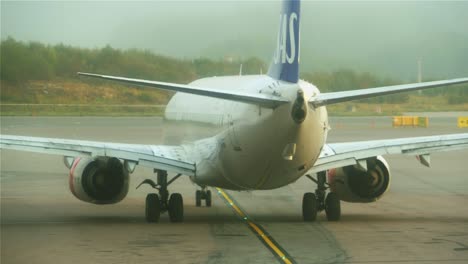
(385, 38)
(37, 73)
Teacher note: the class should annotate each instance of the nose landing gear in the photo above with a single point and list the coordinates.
(312, 203)
(203, 195)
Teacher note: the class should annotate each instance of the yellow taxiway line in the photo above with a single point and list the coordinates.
(258, 230)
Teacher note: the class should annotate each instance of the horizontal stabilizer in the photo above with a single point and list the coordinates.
(268, 101)
(339, 97)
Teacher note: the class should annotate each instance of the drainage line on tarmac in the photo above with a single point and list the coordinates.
(280, 254)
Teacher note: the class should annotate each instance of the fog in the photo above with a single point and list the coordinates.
(386, 38)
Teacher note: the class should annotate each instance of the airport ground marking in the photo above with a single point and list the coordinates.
(280, 254)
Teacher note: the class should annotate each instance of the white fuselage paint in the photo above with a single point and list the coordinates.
(249, 153)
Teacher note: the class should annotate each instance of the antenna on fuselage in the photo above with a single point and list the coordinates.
(240, 70)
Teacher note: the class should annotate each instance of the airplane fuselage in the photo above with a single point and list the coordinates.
(259, 148)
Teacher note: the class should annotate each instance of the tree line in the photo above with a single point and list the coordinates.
(22, 62)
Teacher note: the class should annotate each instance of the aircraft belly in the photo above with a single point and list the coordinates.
(255, 159)
(250, 153)
(209, 170)
(310, 138)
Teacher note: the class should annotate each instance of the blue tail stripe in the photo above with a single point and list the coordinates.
(285, 63)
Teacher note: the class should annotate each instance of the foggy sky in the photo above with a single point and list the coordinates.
(382, 37)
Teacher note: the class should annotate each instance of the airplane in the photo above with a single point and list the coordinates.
(275, 131)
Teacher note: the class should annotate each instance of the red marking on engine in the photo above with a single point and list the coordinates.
(70, 178)
(331, 178)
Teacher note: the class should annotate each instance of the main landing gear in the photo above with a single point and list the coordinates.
(161, 202)
(312, 203)
(203, 195)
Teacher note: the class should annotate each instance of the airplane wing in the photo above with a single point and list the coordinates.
(171, 158)
(265, 100)
(339, 97)
(355, 153)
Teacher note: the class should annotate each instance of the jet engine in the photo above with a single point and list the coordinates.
(99, 180)
(358, 185)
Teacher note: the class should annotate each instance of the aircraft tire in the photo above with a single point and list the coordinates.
(198, 198)
(208, 198)
(152, 208)
(176, 208)
(309, 207)
(332, 207)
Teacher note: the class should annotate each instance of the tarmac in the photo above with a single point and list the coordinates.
(423, 218)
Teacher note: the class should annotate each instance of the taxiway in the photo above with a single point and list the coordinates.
(422, 219)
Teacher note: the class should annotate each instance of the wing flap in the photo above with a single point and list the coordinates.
(339, 97)
(343, 154)
(264, 100)
(171, 158)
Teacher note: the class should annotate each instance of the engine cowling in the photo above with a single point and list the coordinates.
(355, 185)
(99, 181)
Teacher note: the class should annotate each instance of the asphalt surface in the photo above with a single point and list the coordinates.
(423, 218)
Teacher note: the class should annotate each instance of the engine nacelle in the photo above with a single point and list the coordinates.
(355, 185)
(100, 181)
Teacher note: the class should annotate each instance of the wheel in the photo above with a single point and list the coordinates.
(152, 208)
(309, 207)
(208, 198)
(332, 207)
(198, 199)
(176, 208)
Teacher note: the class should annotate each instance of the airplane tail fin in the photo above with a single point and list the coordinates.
(285, 63)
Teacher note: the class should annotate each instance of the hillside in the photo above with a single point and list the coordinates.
(34, 73)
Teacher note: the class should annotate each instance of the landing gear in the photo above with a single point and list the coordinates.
(203, 195)
(152, 208)
(176, 208)
(208, 198)
(332, 207)
(309, 207)
(312, 203)
(198, 195)
(158, 203)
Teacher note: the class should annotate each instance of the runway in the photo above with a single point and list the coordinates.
(423, 218)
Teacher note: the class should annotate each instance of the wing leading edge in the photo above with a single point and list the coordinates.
(351, 153)
(339, 97)
(171, 158)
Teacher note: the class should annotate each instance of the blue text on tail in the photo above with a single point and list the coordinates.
(285, 63)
